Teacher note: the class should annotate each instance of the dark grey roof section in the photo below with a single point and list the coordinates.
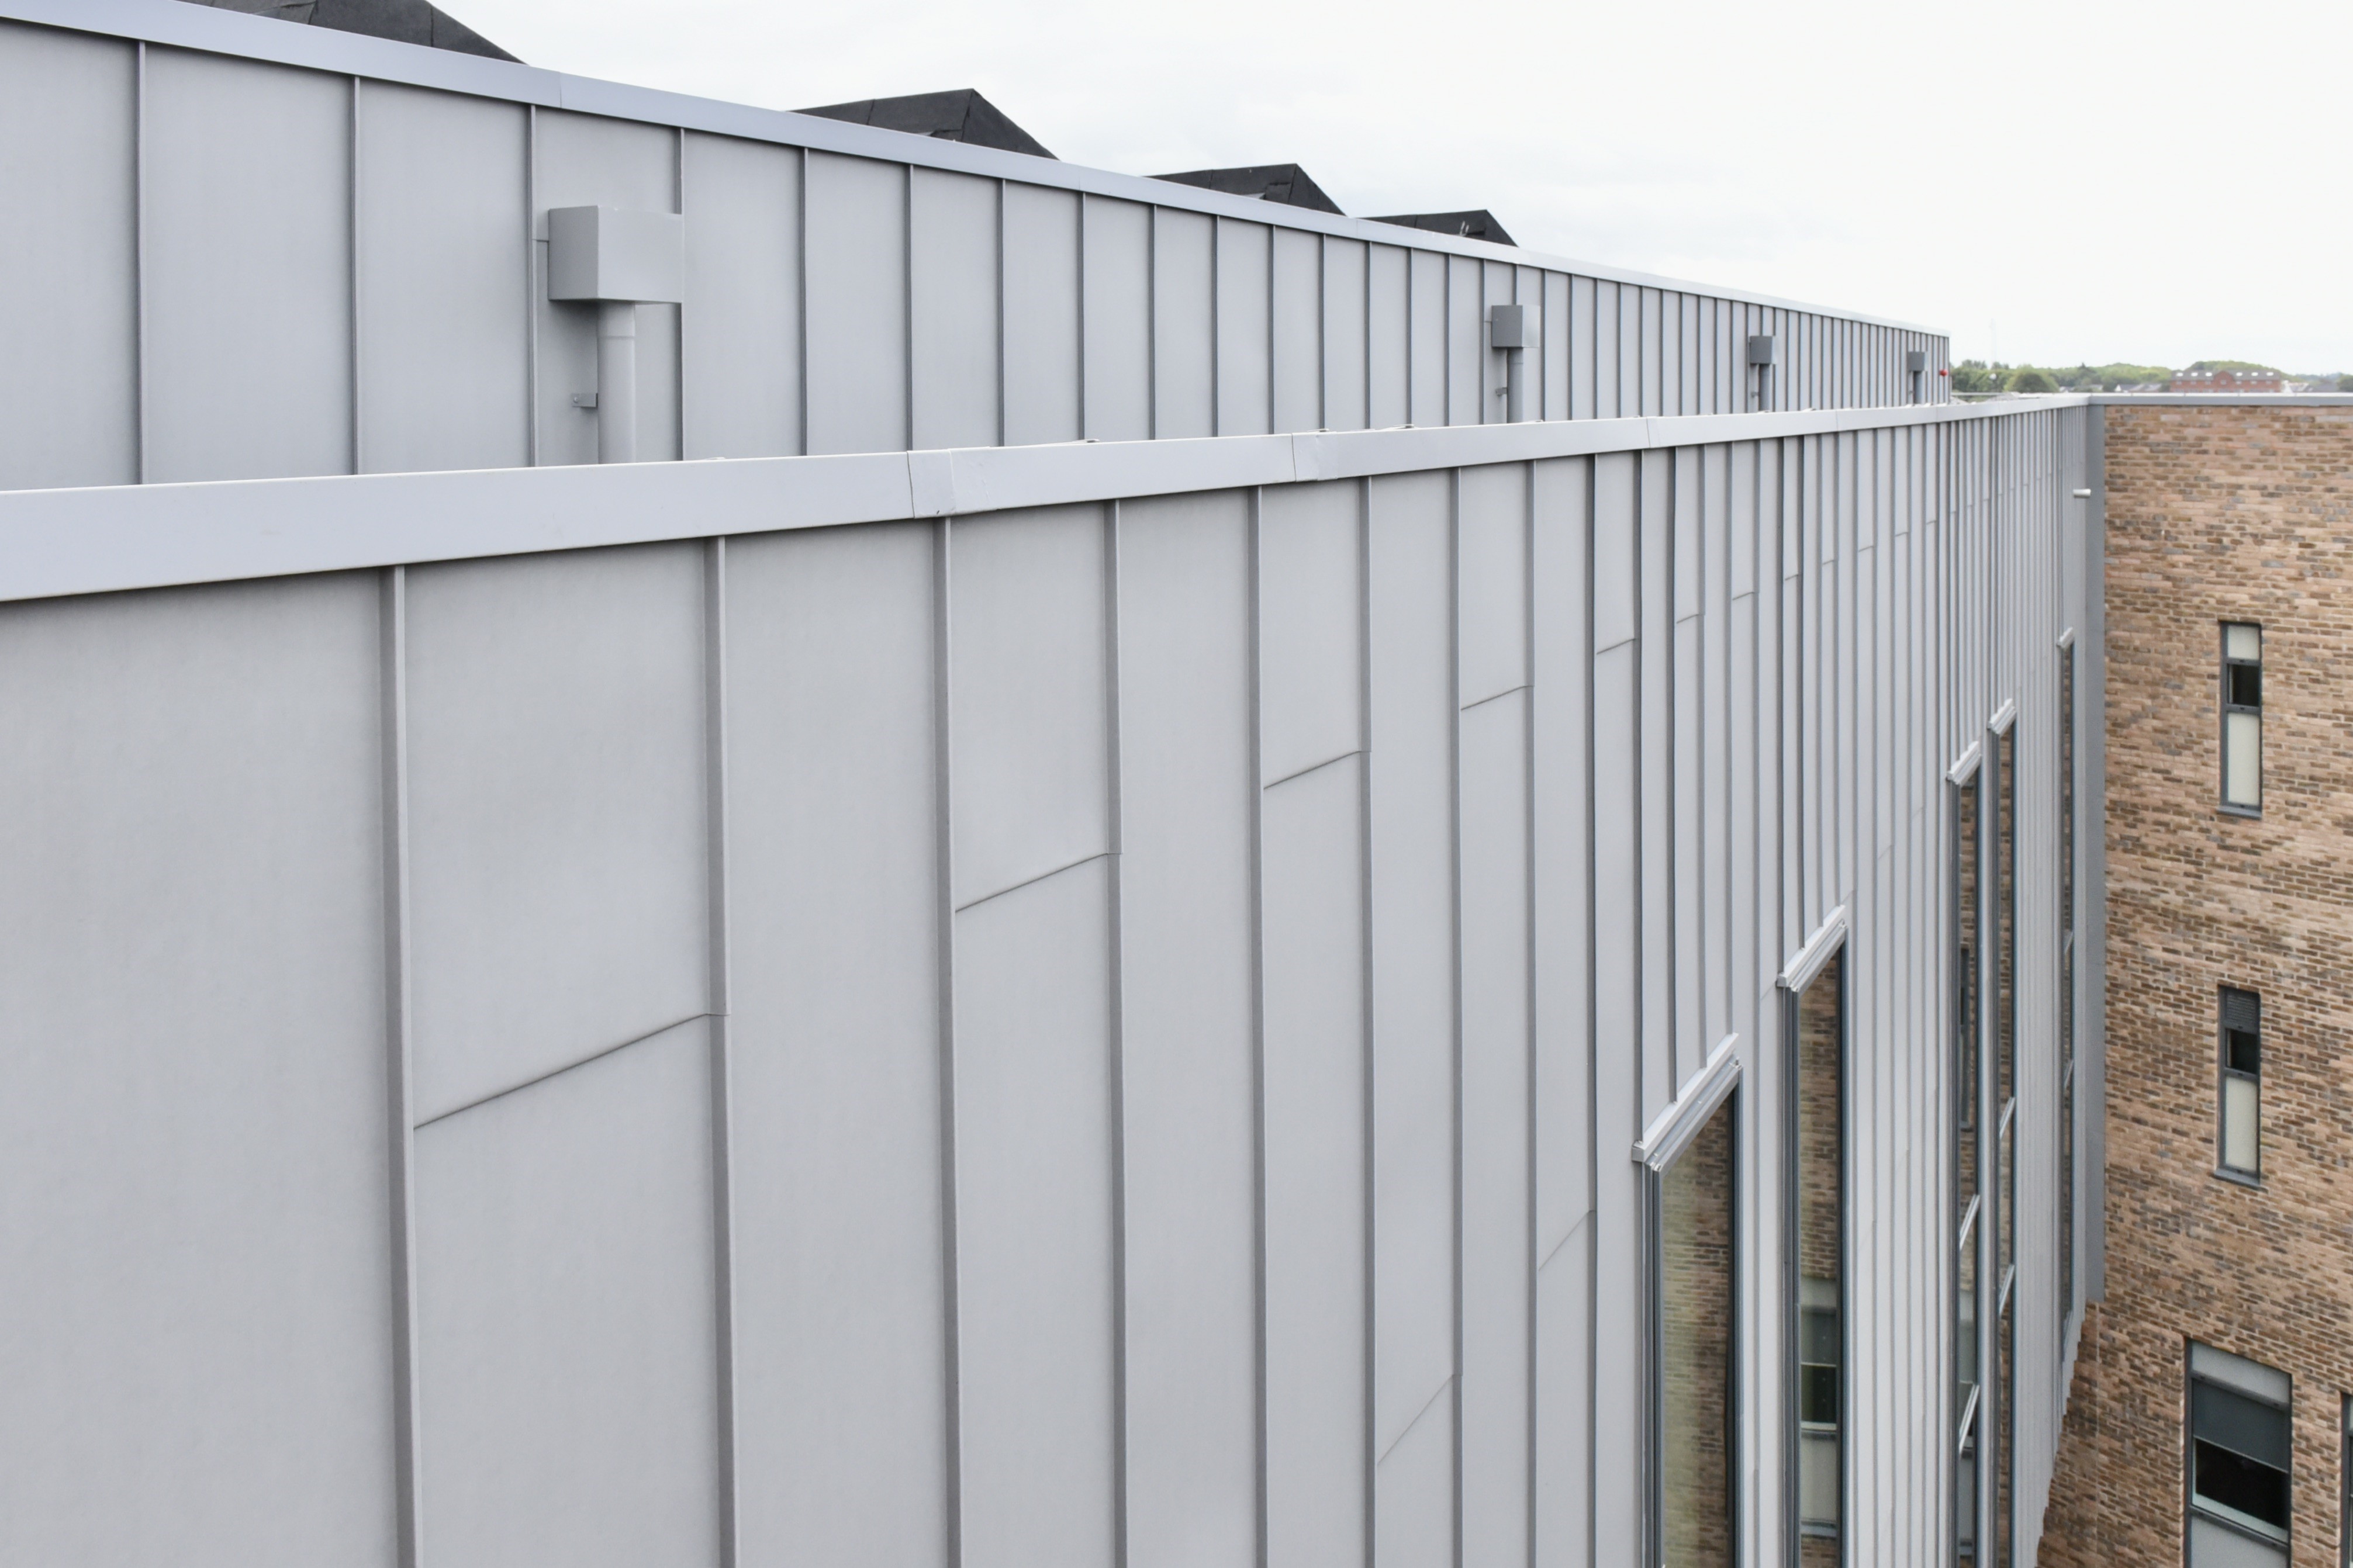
(959, 116)
(1476, 224)
(1285, 183)
(404, 21)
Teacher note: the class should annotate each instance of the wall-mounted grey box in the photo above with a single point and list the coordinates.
(1509, 326)
(606, 253)
(1764, 348)
(1915, 360)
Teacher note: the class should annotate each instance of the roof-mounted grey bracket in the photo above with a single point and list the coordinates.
(1764, 354)
(1509, 329)
(616, 260)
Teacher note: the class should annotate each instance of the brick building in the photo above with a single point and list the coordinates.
(2210, 383)
(2229, 1276)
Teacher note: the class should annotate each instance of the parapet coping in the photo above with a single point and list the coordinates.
(109, 538)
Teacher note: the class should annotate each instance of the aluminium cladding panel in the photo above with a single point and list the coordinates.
(1559, 657)
(1389, 336)
(1036, 1154)
(567, 1363)
(740, 328)
(1029, 635)
(68, 104)
(1347, 362)
(1498, 1115)
(193, 1259)
(854, 267)
(1619, 1085)
(557, 859)
(837, 1087)
(585, 160)
(1184, 323)
(954, 259)
(1041, 315)
(1189, 1045)
(1410, 581)
(248, 269)
(1425, 337)
(1035, 1036)
(1298, 348)
(1317, 1071)
(1244, 326)
(1466, 343)
(444, 303)
(1116, 314)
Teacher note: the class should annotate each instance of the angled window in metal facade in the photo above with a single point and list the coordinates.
(1694, 1262)
(1815, 1027)
(1969, 1186)
(2005, 1131)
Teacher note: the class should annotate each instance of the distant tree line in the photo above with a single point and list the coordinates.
(1973, 375)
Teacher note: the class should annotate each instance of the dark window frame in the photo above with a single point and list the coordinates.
(2228, 705)
(2225, 1071)
(2285, 1543)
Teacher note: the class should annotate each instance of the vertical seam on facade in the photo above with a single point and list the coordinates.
(1454, 945)
(352, 240)
(1117, 1001)
(678, 347)
(1255, 657)
(944, 905)
(531, 284)
(1534, 1122)
(721, 1042)
(138, 333)
(1368, 1189)
(391, 655)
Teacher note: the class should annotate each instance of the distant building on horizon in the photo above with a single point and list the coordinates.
(2212, 382)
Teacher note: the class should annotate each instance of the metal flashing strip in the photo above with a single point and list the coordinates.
(109, 538)
(1964, 766)
(1801, 970)
(1681, 1121)
(210, 30)
(2003, 717)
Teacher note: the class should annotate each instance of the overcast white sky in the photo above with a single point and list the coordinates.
(2058, 180)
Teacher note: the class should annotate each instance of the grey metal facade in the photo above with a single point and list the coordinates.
(944, 993)
(266, 250)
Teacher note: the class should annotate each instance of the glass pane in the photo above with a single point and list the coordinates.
(1696, 1300)
(2246, 684)
(2008, 1163)
(2242, 1488)
(2005, 892)
(1820, 1185)
(2005, 1462)
(2242, 1101)
(2243, 759)
(2243, 642)
(1965, 1340)
(2242, 1051)
(2066, 1206)
(1965, 1499)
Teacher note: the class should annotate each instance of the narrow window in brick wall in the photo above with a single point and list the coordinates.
(2242, 719)
(2239, 1461)
(1969, 1197)
(2242, 1119)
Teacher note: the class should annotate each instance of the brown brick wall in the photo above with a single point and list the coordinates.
(2218, 514)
